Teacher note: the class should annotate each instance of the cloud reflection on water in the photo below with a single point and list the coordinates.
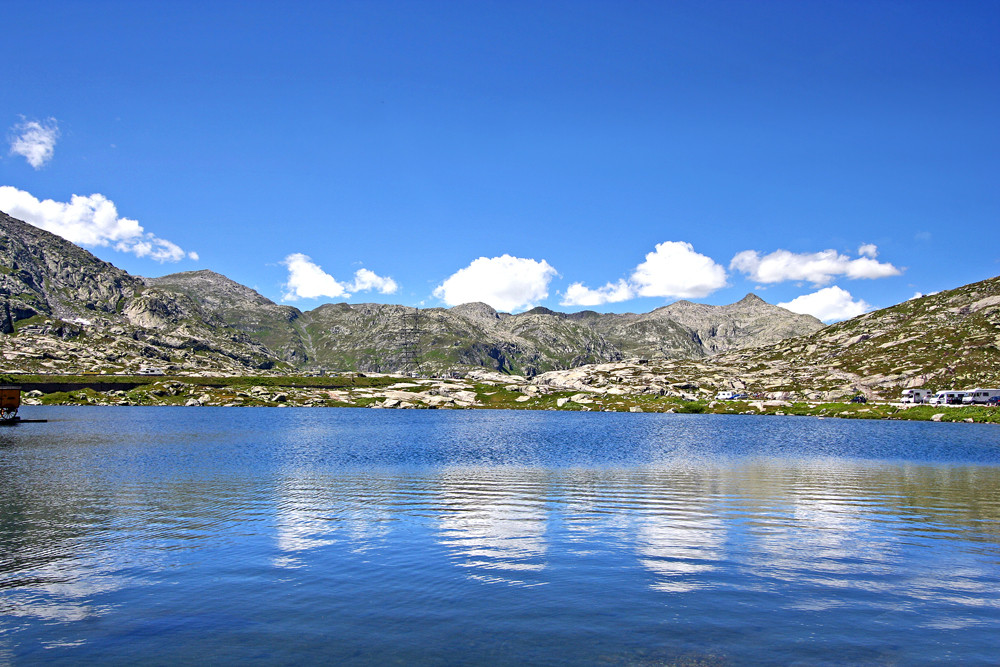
(494, 523)
(81, 538)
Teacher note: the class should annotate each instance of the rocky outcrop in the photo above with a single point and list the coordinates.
(62, 309)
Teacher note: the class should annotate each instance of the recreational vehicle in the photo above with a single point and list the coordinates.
(948, 398)
(915, 396)
(980, 395)
(730, 396)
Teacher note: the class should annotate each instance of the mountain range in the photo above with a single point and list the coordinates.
(64, 310)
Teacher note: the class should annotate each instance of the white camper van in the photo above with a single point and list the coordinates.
(980, 395)
(915, 396)
(731, 396)
(948, 398)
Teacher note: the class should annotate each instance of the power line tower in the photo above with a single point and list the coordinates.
(409, 339)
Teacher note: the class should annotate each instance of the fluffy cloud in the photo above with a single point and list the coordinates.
(578, 295)
(830, 304)
(868, 250)
(819, 268)
(365, 280)
(307, 280)
(89, 221)
(35, 140)
(674, 269)
(506, 283)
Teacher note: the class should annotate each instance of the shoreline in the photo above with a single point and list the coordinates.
(388, 392)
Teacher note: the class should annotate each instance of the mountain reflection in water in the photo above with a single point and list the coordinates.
(374, 536)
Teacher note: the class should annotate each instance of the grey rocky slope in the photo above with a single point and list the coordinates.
(62, 309)
(948, 340)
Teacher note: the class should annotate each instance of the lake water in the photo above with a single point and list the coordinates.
(281, 536)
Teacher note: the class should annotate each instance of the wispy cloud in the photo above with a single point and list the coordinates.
(819, 268)
(830, 304)
(507, 283)
(673, 270)
(90, 221)
(308, 280)
(35, 140)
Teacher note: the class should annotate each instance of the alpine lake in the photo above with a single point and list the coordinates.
(166, 535)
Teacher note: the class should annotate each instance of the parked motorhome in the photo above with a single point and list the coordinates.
(731, 396)
(915, 396)
(948, 398)
(980, 395)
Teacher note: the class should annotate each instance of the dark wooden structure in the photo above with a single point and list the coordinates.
(10, 401)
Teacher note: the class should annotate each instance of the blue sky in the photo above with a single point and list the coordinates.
(607, 155)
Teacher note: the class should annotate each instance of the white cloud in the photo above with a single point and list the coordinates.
(35, 140)
(819, 268)
(307, 280)
(89, 221)
(830, 304)
(674, 269)
(506, 283)
(579, 295)
(365, 280)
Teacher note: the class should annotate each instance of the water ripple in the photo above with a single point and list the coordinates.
(367, 537)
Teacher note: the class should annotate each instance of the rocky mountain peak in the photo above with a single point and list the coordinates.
(209, 287)
(476, 310)
(752, 299)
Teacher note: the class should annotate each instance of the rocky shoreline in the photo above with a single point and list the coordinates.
(606, 387)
